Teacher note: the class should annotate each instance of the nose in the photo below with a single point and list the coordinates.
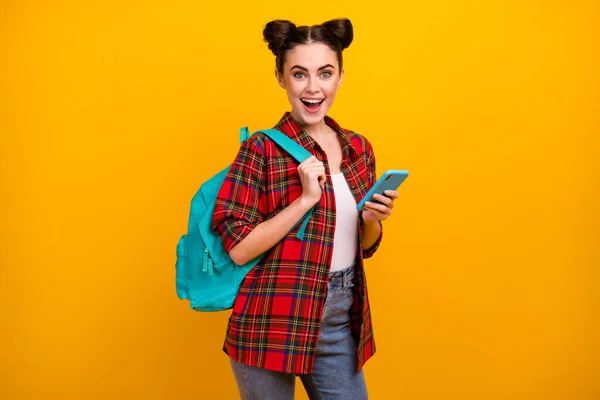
(312, 85)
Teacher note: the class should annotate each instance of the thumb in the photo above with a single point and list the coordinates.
(322, 182)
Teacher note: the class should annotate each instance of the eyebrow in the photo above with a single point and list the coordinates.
(305, 69)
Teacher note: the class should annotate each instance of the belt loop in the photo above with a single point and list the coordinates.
(346, 280)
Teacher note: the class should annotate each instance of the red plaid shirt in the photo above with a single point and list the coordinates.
(276, 316)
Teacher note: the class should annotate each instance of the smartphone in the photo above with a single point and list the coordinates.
(390, 180)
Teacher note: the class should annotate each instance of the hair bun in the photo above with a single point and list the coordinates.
(342, 28)
(276, 32)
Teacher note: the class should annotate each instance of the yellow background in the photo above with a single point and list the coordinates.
(112, 113)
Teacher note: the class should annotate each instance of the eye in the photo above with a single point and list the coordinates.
(299, 75)
(326, 74)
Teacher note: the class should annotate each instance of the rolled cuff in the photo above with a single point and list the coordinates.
(233, 232)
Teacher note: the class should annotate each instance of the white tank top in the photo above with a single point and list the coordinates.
(345, 242)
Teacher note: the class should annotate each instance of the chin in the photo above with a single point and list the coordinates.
(311, 119)
(307, 118)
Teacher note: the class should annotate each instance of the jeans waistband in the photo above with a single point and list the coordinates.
(342, 278)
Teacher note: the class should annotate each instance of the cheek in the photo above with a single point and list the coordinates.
(291, 90)
(331, 89)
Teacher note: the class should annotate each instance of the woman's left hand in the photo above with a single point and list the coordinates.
(378, 212)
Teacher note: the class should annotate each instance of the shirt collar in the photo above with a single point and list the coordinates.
(291, 128)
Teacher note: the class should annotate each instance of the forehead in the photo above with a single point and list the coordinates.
(311, 56)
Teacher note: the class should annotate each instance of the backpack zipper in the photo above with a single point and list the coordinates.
(208, 262)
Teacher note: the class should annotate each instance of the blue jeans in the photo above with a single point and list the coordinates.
(334, 375)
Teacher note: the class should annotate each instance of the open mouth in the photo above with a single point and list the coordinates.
(312, 105)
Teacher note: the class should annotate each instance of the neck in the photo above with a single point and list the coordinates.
(317, 131)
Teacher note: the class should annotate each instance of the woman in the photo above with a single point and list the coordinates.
(304, 309)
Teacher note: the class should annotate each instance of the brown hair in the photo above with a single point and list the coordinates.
(283, 35)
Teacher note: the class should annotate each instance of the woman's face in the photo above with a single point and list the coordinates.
(311, 78)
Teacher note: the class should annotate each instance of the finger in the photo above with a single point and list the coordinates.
(315, 173)
(316, 165)
(310, 161)
(322, 176)
(313, 160)
(392, 193)
(382, 208)
(312, 166)
(373, 215)
(384, 199)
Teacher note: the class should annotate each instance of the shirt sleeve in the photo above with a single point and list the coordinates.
(372, 178)
(242, 202)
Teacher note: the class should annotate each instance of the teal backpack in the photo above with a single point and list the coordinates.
(204, 273)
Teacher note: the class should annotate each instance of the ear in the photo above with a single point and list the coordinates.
(341, 78)
(280, 79)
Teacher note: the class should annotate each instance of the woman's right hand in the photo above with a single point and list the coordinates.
(312, 177)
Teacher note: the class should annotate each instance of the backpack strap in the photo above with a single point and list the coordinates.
(283, 140)
(244, 134)
(295, 150)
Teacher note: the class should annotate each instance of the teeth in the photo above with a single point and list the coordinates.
(312, 101)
